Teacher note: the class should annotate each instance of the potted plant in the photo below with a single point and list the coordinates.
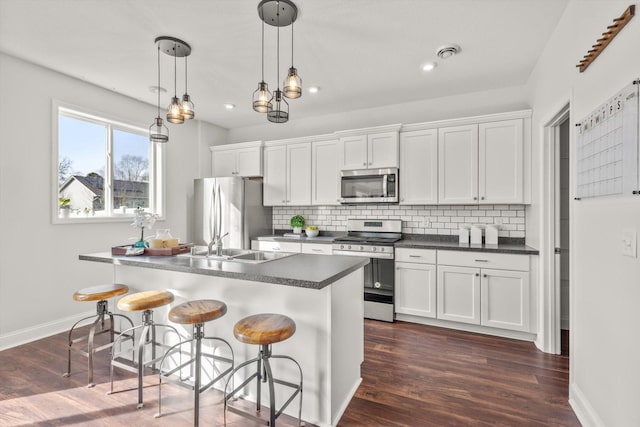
(297, 222)
(64, 206)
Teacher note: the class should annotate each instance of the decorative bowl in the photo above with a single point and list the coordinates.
(312, 233)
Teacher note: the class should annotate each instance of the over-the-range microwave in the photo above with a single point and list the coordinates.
(369, 186)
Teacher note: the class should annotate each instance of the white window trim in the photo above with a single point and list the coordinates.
(157, 161)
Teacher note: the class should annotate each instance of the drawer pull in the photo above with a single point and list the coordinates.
(415, 256)
(276, 248)
(316, 250)
(481, 260)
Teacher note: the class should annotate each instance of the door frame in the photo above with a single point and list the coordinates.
(549, 338)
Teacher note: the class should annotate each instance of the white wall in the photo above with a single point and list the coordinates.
(39, 267)
(605, 290)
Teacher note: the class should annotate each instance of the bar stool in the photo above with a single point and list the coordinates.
(100, 294)
(195, 313)
(263, 330)
(145, 302)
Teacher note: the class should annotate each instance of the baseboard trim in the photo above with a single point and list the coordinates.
(346, 402)
(586, 414)
(43, 330)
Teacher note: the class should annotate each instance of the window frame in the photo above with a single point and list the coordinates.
(157, 165)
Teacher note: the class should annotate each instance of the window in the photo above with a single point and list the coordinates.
(105, 168)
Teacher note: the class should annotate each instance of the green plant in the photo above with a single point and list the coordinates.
(297, 221)
(64, 203)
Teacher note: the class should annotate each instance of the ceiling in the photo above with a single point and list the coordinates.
(362, 53)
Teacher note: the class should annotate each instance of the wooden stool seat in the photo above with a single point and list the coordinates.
(264, 329)
(100, 292)
(146, 300)
(199, 311)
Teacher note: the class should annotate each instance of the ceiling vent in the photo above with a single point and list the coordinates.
(448, 51)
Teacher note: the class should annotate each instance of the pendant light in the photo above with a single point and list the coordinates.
(158, 131)
(186, 107)
(292, 85)
(262, 95)
(174, 114)
(278, 13)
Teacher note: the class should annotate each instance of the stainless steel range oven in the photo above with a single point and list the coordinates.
(374, 239)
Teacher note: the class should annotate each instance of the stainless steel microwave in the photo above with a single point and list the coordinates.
(369, 186)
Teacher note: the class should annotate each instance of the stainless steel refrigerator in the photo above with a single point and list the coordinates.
(229, 205)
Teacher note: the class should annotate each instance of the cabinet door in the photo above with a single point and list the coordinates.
(274, 188)
(382, 150)
(500, 165)
(458, 294)
(224, 163)
(353, 152)
(325, 173)
(415, 289)
(249, 162)
(317, 248)
(458, 165)
(419, 167)
(299, 174)
(505, 299)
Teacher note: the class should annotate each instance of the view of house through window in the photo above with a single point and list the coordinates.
(105, 169)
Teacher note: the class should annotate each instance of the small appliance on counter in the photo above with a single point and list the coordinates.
(374, 239)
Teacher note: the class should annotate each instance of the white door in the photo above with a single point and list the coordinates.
(458, 165)
(382, 150)
(419, 167)
(500, 162)
(458, 294)
(224, 163)
(249, 161)
(505, 299)
(274, 188)
(299, 174)
(415, 289)
(353, 152)
(325, 173)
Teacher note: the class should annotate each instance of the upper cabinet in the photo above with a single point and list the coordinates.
(287, 174)
(368, 150)
(325, 173)
(419, 167)
(482, 163)
(243, 159)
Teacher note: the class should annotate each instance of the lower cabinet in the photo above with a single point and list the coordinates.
(459, 294)
(415, 292)
(505, 299)
(295, 247)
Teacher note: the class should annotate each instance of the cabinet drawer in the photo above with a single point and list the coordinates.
(262, 245)
(484, 260)
(316, 248)
(419, 256)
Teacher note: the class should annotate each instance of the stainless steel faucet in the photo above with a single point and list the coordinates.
(218, 244)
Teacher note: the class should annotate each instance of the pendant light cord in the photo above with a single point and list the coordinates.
(158, 88)
(292, 43)
(175, 73)
(263, 50)
(278, 55)
(185, 75)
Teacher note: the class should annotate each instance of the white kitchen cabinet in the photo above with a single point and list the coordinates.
(371, 151)
(501, 162)
(458, 165)
(242, 159)
(415, 282)
(419, 167)
(505, 299)
(481, 163)
(325, 173)
(287, 174)
(317, 248)
(271, 246)
(458, 294)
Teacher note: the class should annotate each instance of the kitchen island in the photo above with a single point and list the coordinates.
(323, 295)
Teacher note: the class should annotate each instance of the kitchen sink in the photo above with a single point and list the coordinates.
(240, 255)
(258, 257)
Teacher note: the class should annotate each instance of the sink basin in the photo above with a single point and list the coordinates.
(202, 252)
(260, 256)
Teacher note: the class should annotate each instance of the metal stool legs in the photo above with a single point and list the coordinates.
(147, 336)
(194, 383)
(263, 374)
(102, 310)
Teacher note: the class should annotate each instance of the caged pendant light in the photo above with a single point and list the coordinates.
(278, 13)
(174, 113)
(158, 131)
(186, 107)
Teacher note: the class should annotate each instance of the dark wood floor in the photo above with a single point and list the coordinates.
(413, 375)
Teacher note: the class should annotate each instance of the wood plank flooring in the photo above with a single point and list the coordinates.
(413, 375)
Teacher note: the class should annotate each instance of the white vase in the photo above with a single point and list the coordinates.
(297, 230)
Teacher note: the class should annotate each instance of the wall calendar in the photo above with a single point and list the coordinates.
(607, 147)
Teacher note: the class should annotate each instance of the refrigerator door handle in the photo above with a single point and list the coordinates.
(218, 218)
(212, 214)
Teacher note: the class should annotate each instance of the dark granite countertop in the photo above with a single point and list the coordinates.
(299, 270)
(505, 246)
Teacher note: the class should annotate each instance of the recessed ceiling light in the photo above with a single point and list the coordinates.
(429, 66)
(229, 106)
(314, 89)
(155, 89)
(447, 51)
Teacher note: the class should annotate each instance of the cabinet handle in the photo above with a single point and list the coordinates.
(364, 164)
(284, 201)
(276, 248)
(482, 198)
(481, 260)
(415, 256)
(475, 198)
(316, 250)
(370, 163)
(484, 275)
(477, 274)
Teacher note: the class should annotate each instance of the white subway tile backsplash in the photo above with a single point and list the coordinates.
(415, 219)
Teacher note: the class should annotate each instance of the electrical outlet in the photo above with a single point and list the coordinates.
(629, 243)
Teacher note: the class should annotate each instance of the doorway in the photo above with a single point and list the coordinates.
(563, 236)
